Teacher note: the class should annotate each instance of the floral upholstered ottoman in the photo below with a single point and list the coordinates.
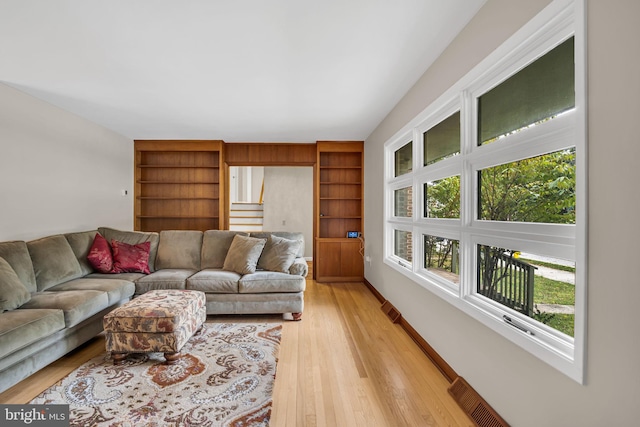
(157, 321)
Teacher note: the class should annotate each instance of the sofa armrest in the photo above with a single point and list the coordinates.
(299, 267)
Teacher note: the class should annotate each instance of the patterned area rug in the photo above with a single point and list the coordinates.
(224, 378)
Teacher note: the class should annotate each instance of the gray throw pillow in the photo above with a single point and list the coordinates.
(243, 254)
(13, 293)
(278, 254)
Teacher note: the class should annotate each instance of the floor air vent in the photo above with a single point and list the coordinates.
(391, 312)
(474, 405)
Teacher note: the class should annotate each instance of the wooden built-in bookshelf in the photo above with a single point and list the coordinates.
(339, 192)
(178, 185)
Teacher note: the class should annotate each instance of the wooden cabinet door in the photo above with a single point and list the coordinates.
(338, 260)
(351, 262)
(328, 263)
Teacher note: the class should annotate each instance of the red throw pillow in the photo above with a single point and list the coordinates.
(130, 258)
(100, 256)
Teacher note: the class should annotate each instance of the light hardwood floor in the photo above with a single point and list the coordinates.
(345, 364)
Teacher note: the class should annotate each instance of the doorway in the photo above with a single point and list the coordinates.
(272, 198)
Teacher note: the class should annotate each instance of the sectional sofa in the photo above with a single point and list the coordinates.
(52, 299)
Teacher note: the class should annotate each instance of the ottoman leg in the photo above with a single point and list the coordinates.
(172, 357)
(118, 358)
(296, 316)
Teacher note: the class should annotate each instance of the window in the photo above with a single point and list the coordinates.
(443, 140)
(442, 257)
(502, 175)
(547, 85)
(536, 189)
(403, 245)
(404, 159)
(403, 206)
(442, 198)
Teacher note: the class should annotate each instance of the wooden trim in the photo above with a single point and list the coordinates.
(440, 363)
(342, 146)
(177, 145)
(337, 279)
(270, 154)
(137, 187)
(374, 291)
(316, 207)
(223, 192)
(339, 240)
(226, 206)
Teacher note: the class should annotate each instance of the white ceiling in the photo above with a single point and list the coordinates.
(237, 70)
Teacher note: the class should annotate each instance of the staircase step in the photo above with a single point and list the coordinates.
(246, 207)
(245, 220)
(245, 227)
(242, 214)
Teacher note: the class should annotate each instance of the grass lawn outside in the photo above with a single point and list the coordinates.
(563, 323)
(547, 291)
(550, 265)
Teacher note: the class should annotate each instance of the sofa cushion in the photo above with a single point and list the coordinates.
(287, 302)
(131, 277)
(270, 282)
(17, 255)
(130, 258)
(243, 254)
(290, 235)
(19, 328)
(214, 281)
(116, 289)
(278, 254)
(13, 293)
(100, 256)
(53, 261)
(179, 249)
(133, 238)
(170, 278)
(76, 305)
(215, 245)
(80, 243)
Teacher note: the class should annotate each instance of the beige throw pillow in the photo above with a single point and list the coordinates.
(243, 254)
(278, 254)
(12, 292)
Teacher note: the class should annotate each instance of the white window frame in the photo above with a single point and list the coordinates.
(555, 24)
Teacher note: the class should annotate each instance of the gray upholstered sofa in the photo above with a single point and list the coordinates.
(65, 299)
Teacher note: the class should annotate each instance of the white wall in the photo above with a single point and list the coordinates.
(257, 175)
(245, 183)
(524, 390)
(239, 184)
(59, 172)
(288, 197)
